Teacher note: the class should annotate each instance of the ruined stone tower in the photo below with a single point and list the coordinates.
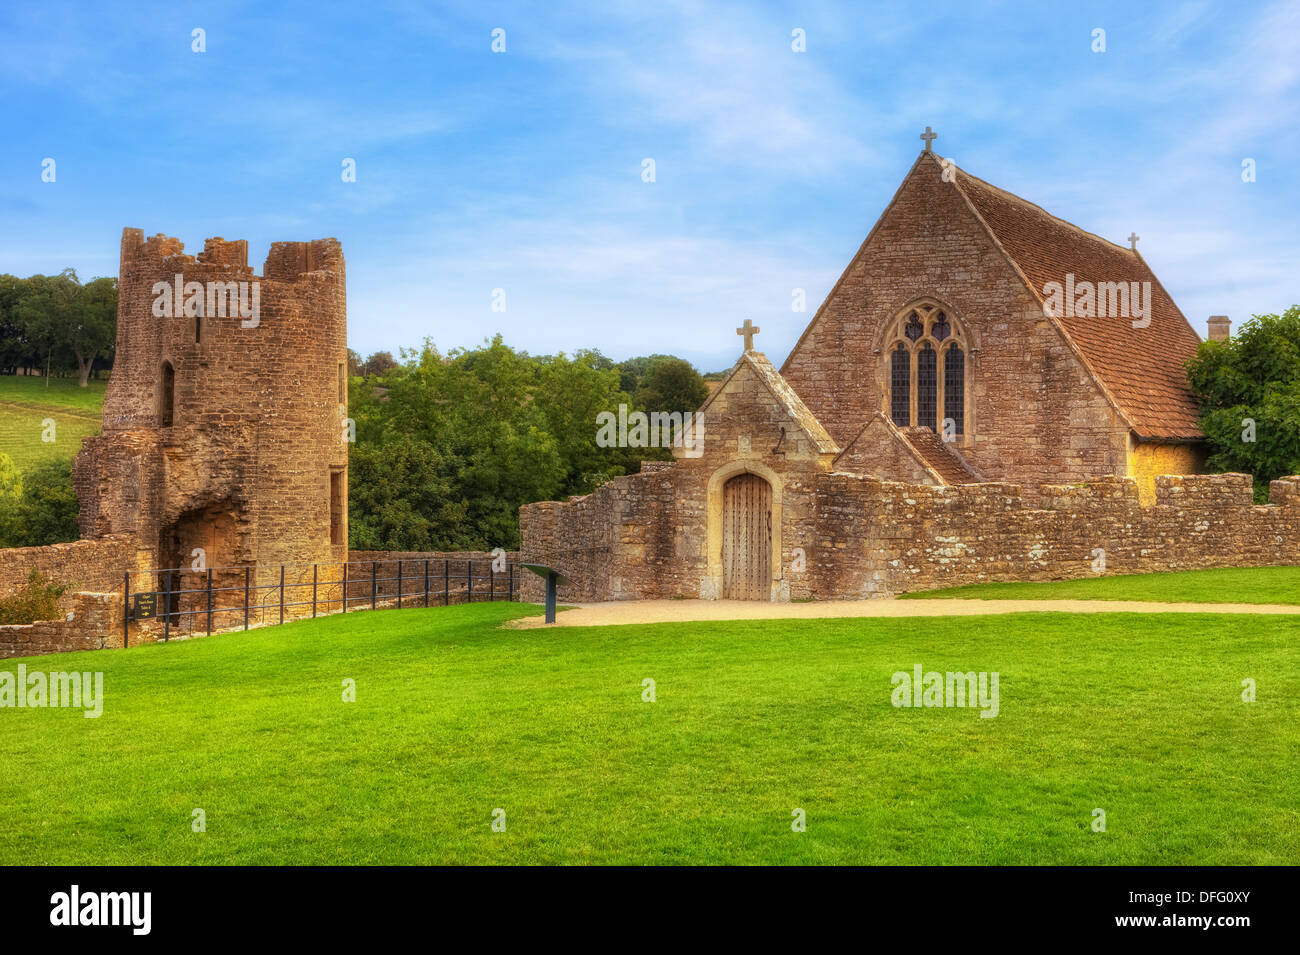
(224, 417)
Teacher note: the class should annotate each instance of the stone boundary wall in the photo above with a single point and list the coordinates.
(877, 538)
(586, 538)
(95, 565)
(865, 537)
(90, 622)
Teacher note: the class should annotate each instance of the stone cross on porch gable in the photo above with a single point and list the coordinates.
(749, 330)
(1133, 240)
(929, 136)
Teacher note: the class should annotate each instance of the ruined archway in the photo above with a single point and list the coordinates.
(201, 547)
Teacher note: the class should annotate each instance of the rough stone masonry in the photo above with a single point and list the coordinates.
(223, 431)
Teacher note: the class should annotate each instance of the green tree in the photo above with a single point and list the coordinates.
(92, 330)
(1248, 389)
(475, 409)
(671, 384)
(400, 497)
(46, 513)
(378, 364)
(15, 349)
(456, 443)
(632, 370)
(571, 392)
(11, 484)
(40, 308)
(62, 324)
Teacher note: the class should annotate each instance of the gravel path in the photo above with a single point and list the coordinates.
(661, 611)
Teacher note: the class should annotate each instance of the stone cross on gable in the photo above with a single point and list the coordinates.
(749, 330)
(929, 138)
(1133, 240)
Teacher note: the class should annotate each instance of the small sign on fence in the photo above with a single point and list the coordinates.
(145, 606)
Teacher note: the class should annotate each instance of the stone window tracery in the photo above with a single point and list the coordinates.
(914, 328)
(926, 371)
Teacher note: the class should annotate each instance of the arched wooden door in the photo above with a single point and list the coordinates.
(747, 538)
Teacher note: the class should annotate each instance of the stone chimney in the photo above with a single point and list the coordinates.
(1219, 326)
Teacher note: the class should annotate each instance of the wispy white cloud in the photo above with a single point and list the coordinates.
(725, 81)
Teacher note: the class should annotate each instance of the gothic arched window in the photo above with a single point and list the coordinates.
(954, 386)
(926, 370)
(900, 386)
(927, 386)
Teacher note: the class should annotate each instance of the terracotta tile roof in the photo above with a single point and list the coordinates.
(1141, 368)
(939, 457)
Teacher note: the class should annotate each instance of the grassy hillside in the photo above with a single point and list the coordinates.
(1251, 585)
(1139, 715)
(26, 402)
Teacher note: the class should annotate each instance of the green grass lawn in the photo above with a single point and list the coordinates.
(1246, 585)
(1139, 715)
(25, 403)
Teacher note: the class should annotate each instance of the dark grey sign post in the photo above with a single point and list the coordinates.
(553, 581)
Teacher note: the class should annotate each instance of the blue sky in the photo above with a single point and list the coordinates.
(522, 170)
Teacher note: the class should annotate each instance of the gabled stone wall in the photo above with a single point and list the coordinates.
(1035, 413)
(839, 532)
(879, 448)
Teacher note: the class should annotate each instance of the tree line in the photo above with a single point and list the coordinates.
(449, 446)
(55, 324)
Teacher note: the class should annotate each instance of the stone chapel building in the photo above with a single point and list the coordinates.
(942, 315)
(988, 392)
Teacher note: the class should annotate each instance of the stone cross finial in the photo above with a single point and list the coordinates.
(749, 330)
(1133, 241)
(929, 137)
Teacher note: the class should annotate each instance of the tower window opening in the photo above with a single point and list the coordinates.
(167, 399)
(337, 504)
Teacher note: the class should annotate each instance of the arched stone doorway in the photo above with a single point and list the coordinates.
(747, 538)
(712, 585)
(203, 542)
